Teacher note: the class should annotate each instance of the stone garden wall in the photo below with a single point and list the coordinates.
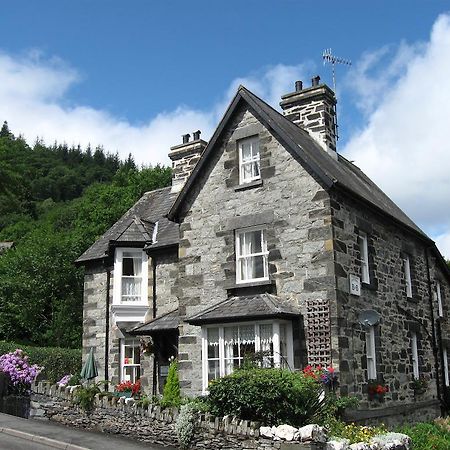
(152, 424)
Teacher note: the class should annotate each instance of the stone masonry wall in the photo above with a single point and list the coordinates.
(152, 424)
(94, 314)
(386, 294)
(295, 212)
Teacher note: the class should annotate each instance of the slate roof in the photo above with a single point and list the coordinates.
(333, 173)
(137, 225)
(245, 308)
(169, 321)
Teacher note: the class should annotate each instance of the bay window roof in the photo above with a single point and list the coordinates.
(245, 308)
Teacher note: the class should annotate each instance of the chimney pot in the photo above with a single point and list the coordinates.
(298, 86)
(315, 81)
(196, 135)
(186, 138)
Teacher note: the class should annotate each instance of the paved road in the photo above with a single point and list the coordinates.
(14, 443)
(82, 438)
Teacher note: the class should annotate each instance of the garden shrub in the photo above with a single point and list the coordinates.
(57, 361)
(171, 392)
(427, 436)
(271, 396)
(185, 424)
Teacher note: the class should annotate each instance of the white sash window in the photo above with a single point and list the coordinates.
(371, 354)
(415, 356)
(130, 276)
(364, 250)
(445, 357)
(249, 160)
(224, 347)
(407, 268)
(251, 256)
(439, 299)
(130, 360)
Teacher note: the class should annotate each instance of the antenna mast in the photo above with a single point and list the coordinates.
(329, 58)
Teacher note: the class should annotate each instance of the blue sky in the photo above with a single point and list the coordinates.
(135, 75)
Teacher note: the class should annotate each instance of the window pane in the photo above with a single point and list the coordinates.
(255, 169)
(131, 289)
(127, 266)
(255, 148)
(213, 370)
(246, 151)
(254, 238)
(258, 264)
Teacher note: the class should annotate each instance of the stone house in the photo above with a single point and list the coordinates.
(271, 243)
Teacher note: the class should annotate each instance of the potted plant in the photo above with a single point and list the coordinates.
(128, 389)
(376, 390)
(419, 385)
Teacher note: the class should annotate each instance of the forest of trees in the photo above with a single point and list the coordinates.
(55, 202)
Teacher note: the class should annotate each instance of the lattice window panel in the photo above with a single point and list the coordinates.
(318, 332)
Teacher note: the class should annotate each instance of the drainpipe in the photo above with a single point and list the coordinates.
(155, 368)
(433, 330)
(108, 279)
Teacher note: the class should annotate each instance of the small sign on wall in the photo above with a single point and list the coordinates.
(355, 285)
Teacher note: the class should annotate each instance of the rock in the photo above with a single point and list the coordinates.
(311, 433)
(285, 432)
(362, 446)
(266, 432)
(337, 444)
(392, 441)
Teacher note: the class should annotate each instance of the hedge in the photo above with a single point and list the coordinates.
(57, 361)
(271, 396)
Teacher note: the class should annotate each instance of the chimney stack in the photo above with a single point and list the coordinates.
(313, 109)
(184, 158)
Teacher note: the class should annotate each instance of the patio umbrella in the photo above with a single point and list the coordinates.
(89, 370)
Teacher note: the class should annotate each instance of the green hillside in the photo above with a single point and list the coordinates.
(54, 203)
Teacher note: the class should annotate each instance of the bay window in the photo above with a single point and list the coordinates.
(130, 276)
(251, 256)
(225, 347)
(249, 160)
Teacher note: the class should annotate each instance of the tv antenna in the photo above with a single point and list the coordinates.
(329, 58)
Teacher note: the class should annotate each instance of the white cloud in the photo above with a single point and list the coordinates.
(405, 146)
(33, 98)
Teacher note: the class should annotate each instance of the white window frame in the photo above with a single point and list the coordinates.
(408, 280)
(254, 160)
(117, 284)
(135, 343)
(439, 299)
(364, 252)
(276, 341)
(371, 356)
(415, 356)
(445, 358)
(245, 258)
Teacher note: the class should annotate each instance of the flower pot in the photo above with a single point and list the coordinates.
(126, 394)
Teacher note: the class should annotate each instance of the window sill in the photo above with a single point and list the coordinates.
(250, 185)
(250, 284)
(372, 286)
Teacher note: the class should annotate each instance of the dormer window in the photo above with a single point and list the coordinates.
(130, 276)
(249, 160)
(251, 256)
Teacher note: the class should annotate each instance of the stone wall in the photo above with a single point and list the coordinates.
(151, 424)
(294, 210)
(386, 293)
(94, 314)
